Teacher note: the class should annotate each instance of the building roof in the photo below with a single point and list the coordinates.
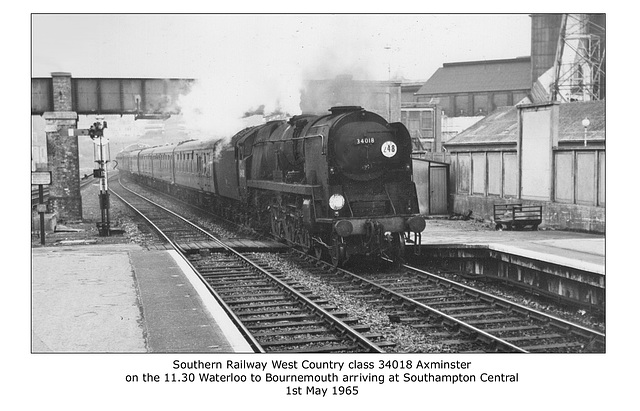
(479, 76)
(501, 126)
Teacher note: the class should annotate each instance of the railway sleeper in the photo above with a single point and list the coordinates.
(494, 320)
(372, 298)
(412, 290)
(253, 294)
(452, 302)
(426, 326)
(301, 341)
(547, 347)
(278, 318)
(224, 286)
(328, 349)
(255, 327)
(533, 337)
(232, 301)
(409, 320)
(225, 274)
(440, 334)
(241, 304)
(510, 329)
(454, 342)
(437, 291)
(477, 314)
(471, 315)
(316, 330)
(354, 291)
(289, 310)
(432, 298)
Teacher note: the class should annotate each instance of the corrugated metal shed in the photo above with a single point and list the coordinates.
(501, 126)
(479, 76)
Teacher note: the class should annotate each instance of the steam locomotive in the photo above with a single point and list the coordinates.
(336, 185)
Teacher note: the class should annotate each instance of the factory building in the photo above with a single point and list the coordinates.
(476, 88)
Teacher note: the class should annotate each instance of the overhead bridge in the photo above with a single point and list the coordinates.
(61, 98)
(141, 97)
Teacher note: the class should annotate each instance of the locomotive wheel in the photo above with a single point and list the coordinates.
(397, 248)
(304, 239)
(338, 251)
(317, 250)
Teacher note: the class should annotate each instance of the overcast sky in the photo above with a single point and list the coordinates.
(413, 45)
(247, 60)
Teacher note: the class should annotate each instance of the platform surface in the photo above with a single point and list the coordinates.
(123, 298)
(572, 249)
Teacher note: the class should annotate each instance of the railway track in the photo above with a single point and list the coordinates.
(463, 317)
(453, 316)
(272, 315)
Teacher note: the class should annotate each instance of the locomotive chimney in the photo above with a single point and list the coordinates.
(344, 109)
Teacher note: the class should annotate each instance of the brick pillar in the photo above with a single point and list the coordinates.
(62, 97)
(62, 152)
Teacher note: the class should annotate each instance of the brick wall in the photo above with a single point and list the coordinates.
(62, 97)
(62, 152)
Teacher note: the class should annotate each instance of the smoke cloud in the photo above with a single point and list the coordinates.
(267, 69)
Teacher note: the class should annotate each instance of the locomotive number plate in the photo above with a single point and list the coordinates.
(389, 149)
(365, 140)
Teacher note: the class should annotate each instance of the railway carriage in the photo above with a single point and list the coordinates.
(193, 165)
(337, 185)
(162, 164)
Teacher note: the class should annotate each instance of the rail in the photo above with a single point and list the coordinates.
(345, 329)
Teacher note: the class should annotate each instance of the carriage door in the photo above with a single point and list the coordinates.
(438, 190)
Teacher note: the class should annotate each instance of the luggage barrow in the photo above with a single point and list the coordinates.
(516, 216)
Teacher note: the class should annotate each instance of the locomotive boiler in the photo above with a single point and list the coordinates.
(336, 185)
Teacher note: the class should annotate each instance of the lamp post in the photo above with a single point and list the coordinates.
(585, 124)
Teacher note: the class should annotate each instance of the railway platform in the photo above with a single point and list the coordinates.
(123, 298)
(556, 263)
(576, 250)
